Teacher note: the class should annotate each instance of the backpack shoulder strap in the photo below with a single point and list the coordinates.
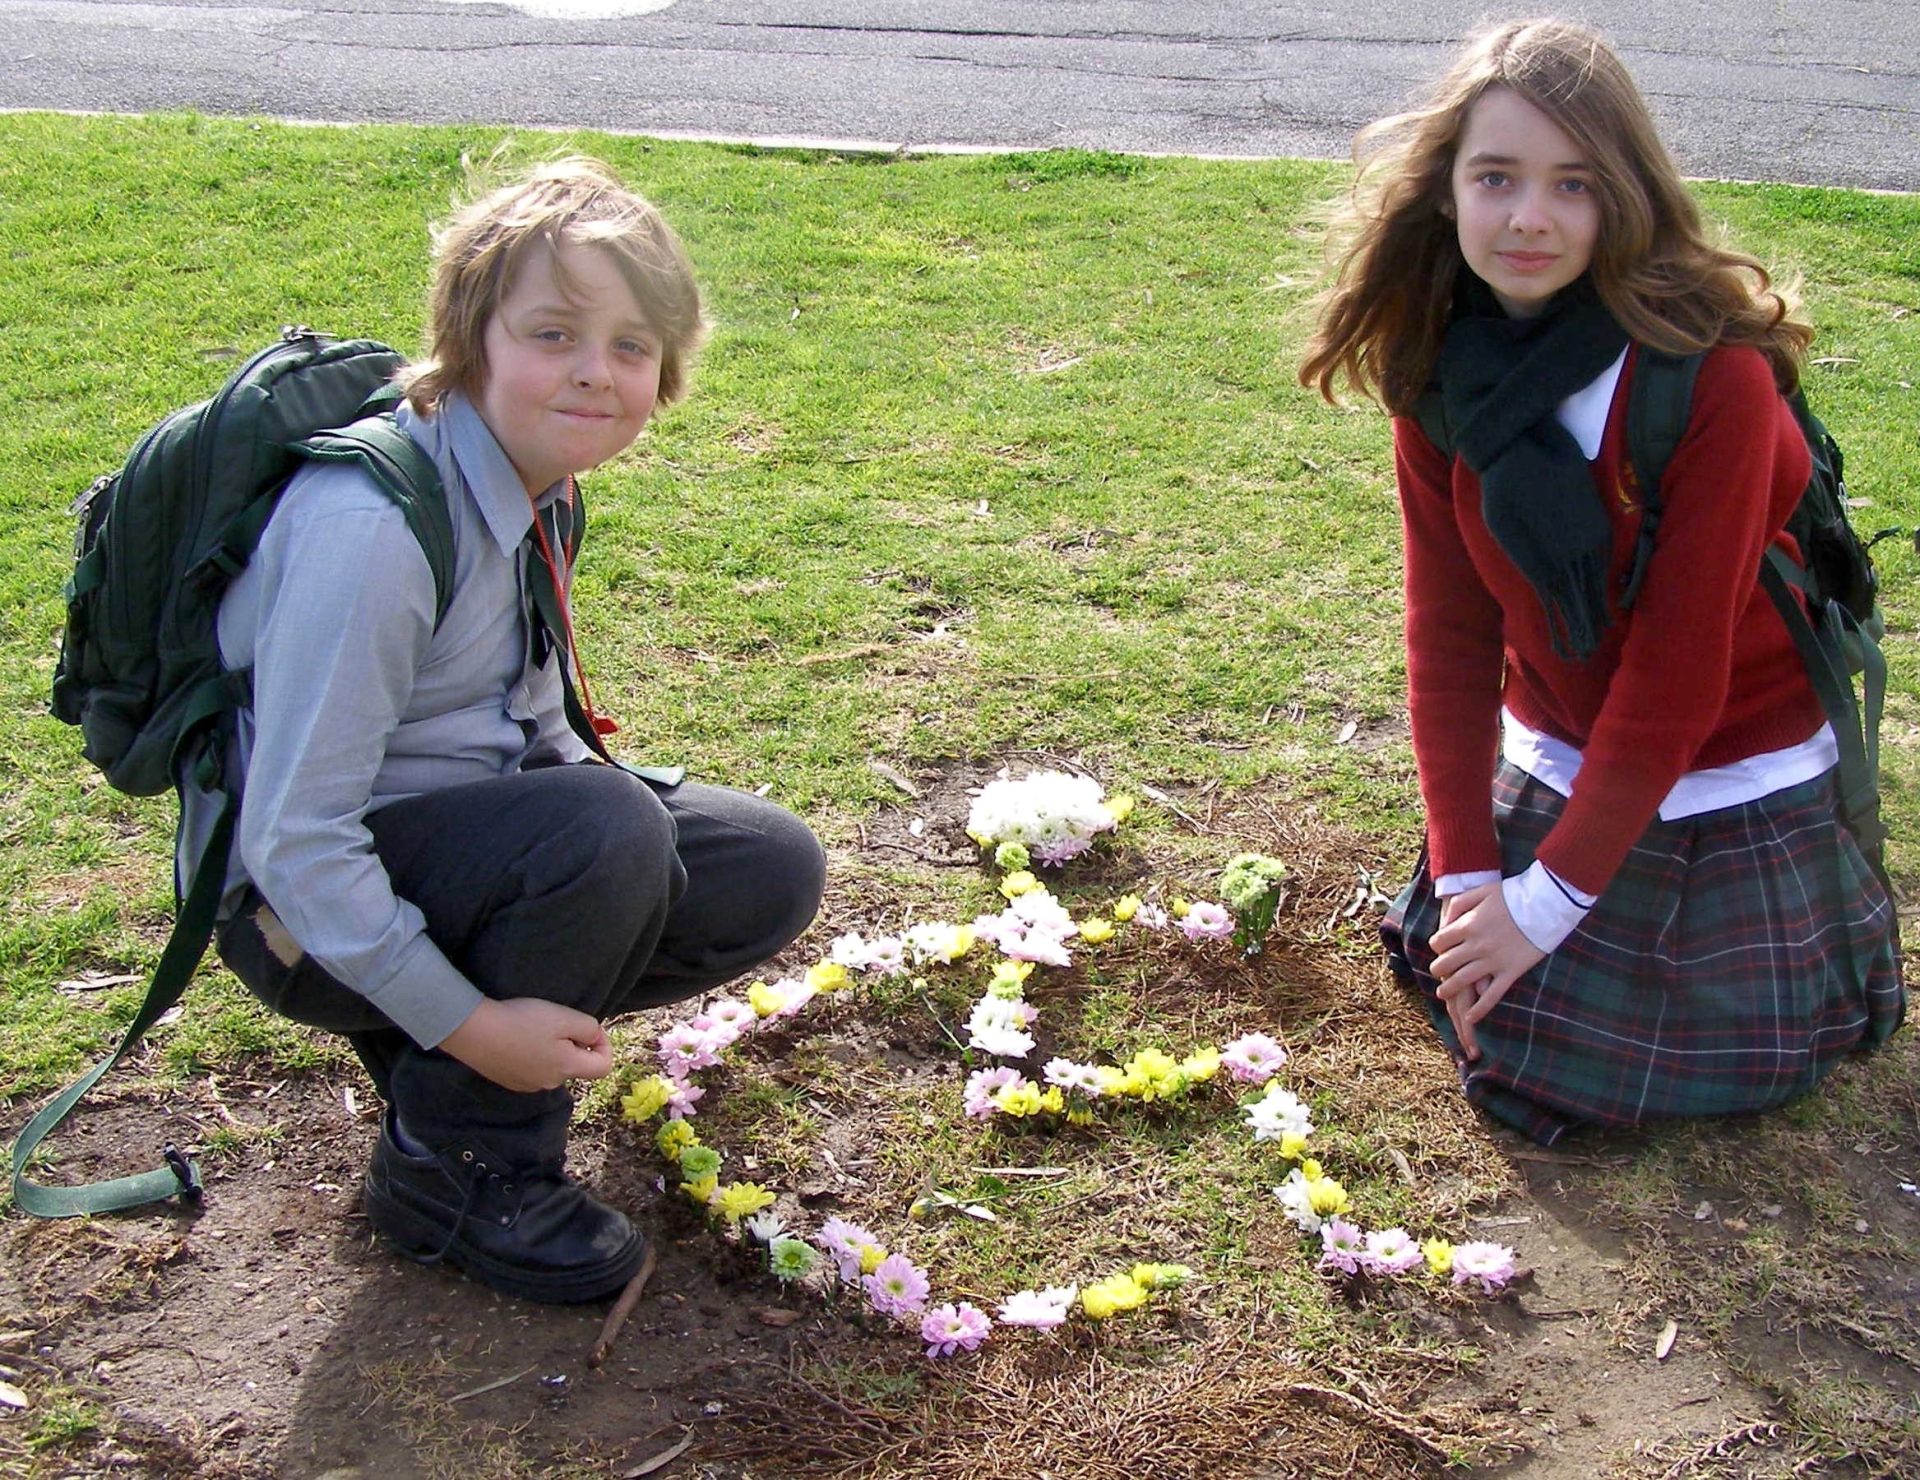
(406, 474)
(1659, 404)
(1430, 411)
(177, 1176)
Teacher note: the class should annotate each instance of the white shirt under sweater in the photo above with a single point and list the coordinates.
(1545, 908)
(359, 701)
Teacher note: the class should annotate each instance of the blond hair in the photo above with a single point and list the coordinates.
(1384, 312)
(572, 201)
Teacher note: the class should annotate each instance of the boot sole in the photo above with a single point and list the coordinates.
(415, 1236)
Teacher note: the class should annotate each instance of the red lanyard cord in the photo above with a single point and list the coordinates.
(602, 724)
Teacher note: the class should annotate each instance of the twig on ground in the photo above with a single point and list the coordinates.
(1174, 807)
(623, 1307)
(487, 1387)
(1763, 1431)
(1397, 1424)
(661, 1460)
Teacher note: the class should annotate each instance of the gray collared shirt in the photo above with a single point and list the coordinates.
(359, 701)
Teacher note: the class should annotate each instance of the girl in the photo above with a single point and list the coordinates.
(1659, 913)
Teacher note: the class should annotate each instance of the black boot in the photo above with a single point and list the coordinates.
(529, 1229)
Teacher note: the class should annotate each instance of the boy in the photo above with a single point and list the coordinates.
(434, 863)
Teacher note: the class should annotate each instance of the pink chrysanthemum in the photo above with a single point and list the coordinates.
(1252, 1058)
(1345, 1246)
(1205, 920)
(845, 1242)
(1491, 1264)
(1391, 1251)
(983, 1084)
(684, 1097)
(685, 1048)
(947, 1329)
(898, 1287)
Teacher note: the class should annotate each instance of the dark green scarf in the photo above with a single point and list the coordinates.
(1501, 380)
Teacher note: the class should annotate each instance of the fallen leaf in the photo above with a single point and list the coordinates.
(11, 1396)
(773, 1315)
(99, 981)
(1664, 1345)
(1347, 732)
(660, 1461)
(1703, 1212)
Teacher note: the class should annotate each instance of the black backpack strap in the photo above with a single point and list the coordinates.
(406, 474)
(1659, 403)
(1430, 411)
(1830, 651)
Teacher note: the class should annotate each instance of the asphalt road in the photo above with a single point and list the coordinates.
(1817, 91)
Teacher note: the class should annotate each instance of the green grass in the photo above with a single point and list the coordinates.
(987, 455)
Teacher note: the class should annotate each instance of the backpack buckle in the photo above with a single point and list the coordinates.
(185, 1171)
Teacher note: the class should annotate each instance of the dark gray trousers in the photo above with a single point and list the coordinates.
(583, 885)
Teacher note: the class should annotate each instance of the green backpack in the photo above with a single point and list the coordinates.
(156, 547)
(1838, 629)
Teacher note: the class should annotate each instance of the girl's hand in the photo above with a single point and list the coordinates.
(526, 1044)
(1478, 954)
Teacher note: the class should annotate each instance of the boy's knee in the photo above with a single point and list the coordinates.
(612, 839)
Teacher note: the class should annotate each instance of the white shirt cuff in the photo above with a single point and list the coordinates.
(1545, 908)
(1448, 885)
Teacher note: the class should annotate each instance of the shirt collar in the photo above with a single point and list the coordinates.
(490, 475)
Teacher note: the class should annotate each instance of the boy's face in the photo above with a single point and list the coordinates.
(571, 376)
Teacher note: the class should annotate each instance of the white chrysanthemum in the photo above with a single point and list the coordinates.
(1277, 1114)
(1297, 1199)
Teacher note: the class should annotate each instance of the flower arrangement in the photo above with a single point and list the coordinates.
(1047, 818)
(1250, 884)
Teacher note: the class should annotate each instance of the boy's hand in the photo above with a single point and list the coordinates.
(1479, 954)
(526, 1044)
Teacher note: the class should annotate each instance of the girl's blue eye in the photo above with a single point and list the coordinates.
(1495, 178)
(1575, 187)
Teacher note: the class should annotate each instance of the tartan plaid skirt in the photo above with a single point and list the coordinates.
(1734, 959)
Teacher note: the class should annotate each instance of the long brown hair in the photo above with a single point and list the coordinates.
(1397, 254)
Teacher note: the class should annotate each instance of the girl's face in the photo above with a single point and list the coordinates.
(1523, 202)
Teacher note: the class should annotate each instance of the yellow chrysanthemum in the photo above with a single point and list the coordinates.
(1080, 1115)
(1112, 1080)
(1327, 1196)
(1017, 884)
(739, 1200)
(1120, 808)
(674, 1137)
(1201, 1066)
(701, 1191)
(1292, 1143)
(1178, 907)
(1018, 1099)
(1010, 978)
(956, 945)
(829, 976)
(1439, 1254)
(1160, 1276)
(646, 1098)
(872, 1256)
(1126, 907)
(1053, 1101)
(1106, 1297)
(765, 1000)
(1096, 931)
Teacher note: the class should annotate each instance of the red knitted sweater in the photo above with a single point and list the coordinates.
(1700, 673)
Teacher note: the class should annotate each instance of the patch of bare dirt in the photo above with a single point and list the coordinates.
(266, 1334)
